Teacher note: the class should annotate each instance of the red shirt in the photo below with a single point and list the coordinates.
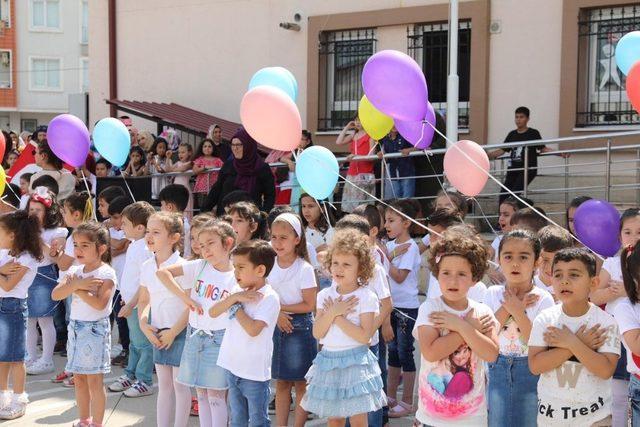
(360, 147)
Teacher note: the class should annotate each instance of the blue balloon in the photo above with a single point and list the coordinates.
(317, 171)
(111, 138)
(278, 77)
(628, 51)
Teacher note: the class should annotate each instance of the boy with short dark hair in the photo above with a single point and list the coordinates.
(253, 308)
(103, 168)
(552, 240)
(175, 198)
(574, 347)
(528, 219)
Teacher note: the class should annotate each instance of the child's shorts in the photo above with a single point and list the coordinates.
(199, 363)
(39, 300)
(89, 347)
(13, 329)
(173, 354)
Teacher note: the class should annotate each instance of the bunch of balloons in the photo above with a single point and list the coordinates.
(628, 61)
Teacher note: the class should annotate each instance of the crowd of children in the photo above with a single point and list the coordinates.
(528, 330)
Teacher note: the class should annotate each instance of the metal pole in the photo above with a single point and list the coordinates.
(452, 80)
(566, 183)
(638, 176)
(382, 178)
(607, 165)
(525, 184)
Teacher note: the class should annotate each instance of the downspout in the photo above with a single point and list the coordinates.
(113, 65)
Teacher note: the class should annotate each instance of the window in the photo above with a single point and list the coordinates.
(428, 44)
(45, 74)
(5, 69)
(84, 75)
(5, 13)
(28, 125)
(84, 22)
(342, 57)
(45, 14)
(601, 96)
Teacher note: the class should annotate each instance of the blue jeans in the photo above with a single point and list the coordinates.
(634, 400)
(140, 365)
(404, 188)
(512, 393)
(248, 401)
(401, 348)
(374, 419)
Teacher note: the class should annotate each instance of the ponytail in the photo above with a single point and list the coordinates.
(630, 266)
(80, 202)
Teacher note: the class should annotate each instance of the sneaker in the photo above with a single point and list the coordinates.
(120, 358)
(272, 407)
(29, 362)
(5, 398)
(13, 411)
(121, 384)
(195, 409)
(69, 382)
(41, 367)
(83, 423)
(61, 377)
(138, 389)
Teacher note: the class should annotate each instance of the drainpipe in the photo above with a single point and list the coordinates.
(113, 65)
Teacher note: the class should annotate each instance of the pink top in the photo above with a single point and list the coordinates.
(360, 147)
(201, 185)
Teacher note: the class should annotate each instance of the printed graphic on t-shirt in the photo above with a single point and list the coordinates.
(510, 339)
(209, 291)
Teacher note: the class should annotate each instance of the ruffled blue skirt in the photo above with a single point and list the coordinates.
(344, 383)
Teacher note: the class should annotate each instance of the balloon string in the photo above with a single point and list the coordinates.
(446, 193)
(128, 188)
(7, 184)
(86, 185)
(508, 190)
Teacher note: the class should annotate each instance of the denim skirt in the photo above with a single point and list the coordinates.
(199, 363)
(173, 354)
(89, 347)
(512, 392)
(39, 300)
(13, 329)
(293, 353)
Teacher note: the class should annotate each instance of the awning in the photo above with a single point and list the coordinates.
(176, 116)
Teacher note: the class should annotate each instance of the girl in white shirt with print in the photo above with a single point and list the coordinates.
(91, 285)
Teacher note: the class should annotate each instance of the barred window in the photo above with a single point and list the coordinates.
(428, 44)
(342, 58)
(601, 96)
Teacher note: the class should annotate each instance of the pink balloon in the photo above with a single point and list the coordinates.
(271, 118)
(466, 166)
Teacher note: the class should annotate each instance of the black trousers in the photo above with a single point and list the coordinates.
(514, 181)
(123, 328)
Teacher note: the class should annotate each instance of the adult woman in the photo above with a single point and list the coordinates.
(222, 146)
(145, 140)
(296, 190)
(244, 170)
(51, 165)
(360, 174)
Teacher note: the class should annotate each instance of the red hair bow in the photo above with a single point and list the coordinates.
(41, 195)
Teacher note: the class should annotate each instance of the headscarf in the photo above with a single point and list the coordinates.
(250, 163)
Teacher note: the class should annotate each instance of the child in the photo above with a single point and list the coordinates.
(552, 239)
(175, 198)
(371, 213)
(276, 212)
(528, 219)
(25, 179)
(247, 221)
(294, 348)
(452, 200)
(574, 347)
(91, 285)
(507, 209)
(610, 292)
(21, 252)
(213, 280)
(184, 163)
(105, 197)
(403, 275)
(207, 157)
(11, 158)
(456, 336)
(344, 380)
(571, 211)
(198, 222)
(137, 379)
(44, 208)
(515, 306)
(318, 229)
(103, 168)
(252, 307)
(166, 332)
(137, 162)
(157, 165)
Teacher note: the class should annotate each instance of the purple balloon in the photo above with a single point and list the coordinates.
(395, 84)
(69, 139)
(597, 225)
(419, 133)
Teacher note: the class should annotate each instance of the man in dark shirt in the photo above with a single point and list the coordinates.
(514, 180)
(401, 169)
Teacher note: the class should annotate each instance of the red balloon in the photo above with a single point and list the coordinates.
(3, 145)
(633, 85)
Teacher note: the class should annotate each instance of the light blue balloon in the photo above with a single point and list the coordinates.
(111, 139)
(278, 77)
(317, 171)
(628, 51)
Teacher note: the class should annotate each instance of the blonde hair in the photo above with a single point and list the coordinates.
(173, 223)
(352, 242)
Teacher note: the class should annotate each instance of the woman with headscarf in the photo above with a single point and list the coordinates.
(244, 170)
(222, 146)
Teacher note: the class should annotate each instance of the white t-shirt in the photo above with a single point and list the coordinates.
(452, 390)
(24, 201)
(137, 253)
(476, 292)
(570, 394)
(26, 260)
(381, 258)
(117, 262)
(209, 286)
(540, 284)
(317, 238)
(628, 317)
(187, 238)
(48, 236)
(80, 310)
(69, 251)
(166, 307)
(510, 340)
(426, 239)
(405, 294)
(313, 255)
(289, 282)
(612, 265)
(336, 339)
(496, 246)
(246, 356)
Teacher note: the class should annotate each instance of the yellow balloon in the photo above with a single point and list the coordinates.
(3, 180)
(375, 123)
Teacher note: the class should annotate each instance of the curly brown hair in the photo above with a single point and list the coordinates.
(352, 242)
(459, 241)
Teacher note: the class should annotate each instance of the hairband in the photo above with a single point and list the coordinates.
(292, 220)
(41, 195)
(443, 254)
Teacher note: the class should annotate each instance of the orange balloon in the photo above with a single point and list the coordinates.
(466, 166)
(633, 85)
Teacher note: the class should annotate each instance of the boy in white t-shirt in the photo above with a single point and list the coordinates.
(552, 240)
(247, 346)
(574, 347)
(175, 198)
